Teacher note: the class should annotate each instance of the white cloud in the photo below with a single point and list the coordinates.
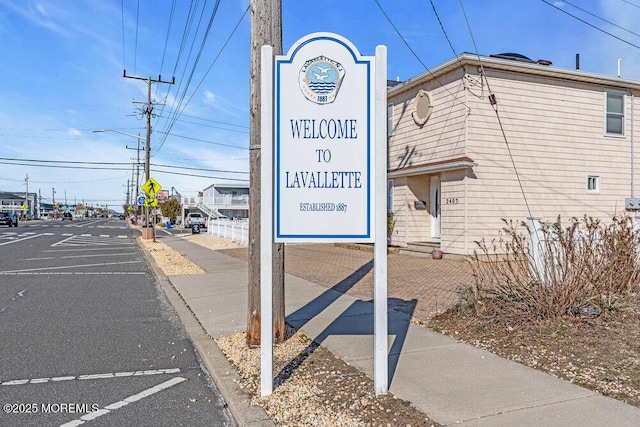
(74, 132)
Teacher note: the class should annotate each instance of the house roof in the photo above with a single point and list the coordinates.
(433, 167)
(500, 63)
(228, 185)
(10, 196)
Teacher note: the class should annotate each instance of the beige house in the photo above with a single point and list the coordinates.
(528, 139)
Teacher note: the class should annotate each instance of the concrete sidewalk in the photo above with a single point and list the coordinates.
(451, 382)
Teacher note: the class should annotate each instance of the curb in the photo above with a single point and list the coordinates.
(219, 368)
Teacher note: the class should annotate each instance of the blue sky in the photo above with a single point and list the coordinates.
(62, 73)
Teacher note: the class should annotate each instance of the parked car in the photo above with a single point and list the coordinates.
(67, 215)
(195, 218)
(8, 218)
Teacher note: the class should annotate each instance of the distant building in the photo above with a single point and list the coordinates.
(452, 161)
(14, 202)
(230, 200)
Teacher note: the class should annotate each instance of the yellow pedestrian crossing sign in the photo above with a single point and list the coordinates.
(152, 201)
(25, 206)
(151, 187)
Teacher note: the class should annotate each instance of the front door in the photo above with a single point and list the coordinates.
(435, 207)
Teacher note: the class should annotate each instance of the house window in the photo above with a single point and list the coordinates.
(615, 113)
(593, 183)
(389, 120)
(390, 196)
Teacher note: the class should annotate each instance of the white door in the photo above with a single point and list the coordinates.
(435, 207)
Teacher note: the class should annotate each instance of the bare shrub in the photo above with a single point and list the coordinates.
(585, 267)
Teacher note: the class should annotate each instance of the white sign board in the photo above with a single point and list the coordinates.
(323, 167)
(323, 155)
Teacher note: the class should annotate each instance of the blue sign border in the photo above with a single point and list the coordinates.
(277, 95)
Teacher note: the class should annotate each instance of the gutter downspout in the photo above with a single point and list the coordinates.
(632, 148)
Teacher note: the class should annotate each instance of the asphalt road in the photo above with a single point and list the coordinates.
(87, 336)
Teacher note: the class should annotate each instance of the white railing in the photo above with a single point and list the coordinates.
(234, 230)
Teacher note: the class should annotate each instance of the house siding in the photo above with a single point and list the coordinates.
(533, 157)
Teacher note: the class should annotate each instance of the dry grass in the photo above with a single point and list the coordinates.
(576, 315)
(585, 267)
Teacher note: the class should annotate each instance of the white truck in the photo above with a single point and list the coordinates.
(195, 218)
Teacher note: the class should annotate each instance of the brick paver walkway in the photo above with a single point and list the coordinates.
(418, 286)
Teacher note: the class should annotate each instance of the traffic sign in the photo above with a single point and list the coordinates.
(151, 187)
(25, 207)
(141, 200)
(151, 202)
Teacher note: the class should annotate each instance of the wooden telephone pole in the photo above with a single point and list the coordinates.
(266, 29)
(148, 111)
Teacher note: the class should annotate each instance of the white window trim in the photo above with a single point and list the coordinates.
(390, 122)
(624, 114)
(598, 183)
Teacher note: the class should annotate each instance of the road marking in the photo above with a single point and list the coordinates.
(62, 241)
(117, 405)
(110, 248)
(20, 240)
(69, 266)
(84, 240)
(79, 256)
(13, 298)
(93, 376)
(70, 273)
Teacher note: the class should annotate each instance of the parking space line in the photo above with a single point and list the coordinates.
(102, 264)
(92, 376)
(20, 240)
(131, 399)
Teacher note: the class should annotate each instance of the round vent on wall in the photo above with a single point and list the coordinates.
(422, 107)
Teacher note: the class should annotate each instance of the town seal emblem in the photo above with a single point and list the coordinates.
(320, 79)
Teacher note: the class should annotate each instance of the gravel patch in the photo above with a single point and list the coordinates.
(313, 387)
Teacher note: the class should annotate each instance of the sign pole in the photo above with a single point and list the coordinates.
(380, 357)
(266, 230)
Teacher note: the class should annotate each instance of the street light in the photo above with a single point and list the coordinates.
(147, 149)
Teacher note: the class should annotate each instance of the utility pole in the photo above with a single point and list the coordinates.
(266, 29)
(128, 200)
(26, 194)
(135, 194)
(148, 111)
(53, 205)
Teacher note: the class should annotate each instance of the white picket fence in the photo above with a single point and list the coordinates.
(228, 229)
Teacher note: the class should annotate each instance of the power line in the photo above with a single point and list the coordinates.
(168, 128)
(205, 141)
(416, 55)
(591, 25)
(600, 18)
(11, 161)
(135, 54)
(632, 4)
(193, 69)
(124, 62)
(65, 161)
(199, 169)
(446, 36)
(494, 105)
(166, 39)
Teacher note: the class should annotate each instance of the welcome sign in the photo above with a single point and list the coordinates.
(324, 121)
(323, 167)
